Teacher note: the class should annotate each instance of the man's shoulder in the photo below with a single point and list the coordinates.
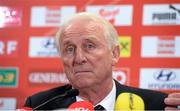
(125, 88)
(153, 100)
(41, 97)
(53, 91)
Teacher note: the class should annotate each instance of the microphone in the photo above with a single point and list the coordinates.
(24, 109)
(70, 93)
(81, 106)
(129, 101)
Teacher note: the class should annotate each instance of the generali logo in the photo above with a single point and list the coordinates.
(9, 47)
(47, 78)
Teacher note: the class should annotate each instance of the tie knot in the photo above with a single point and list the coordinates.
(99, 108)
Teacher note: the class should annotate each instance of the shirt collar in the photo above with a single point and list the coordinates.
(108, 102)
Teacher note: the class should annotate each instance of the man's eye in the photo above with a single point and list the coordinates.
(70, 50)
(90, 46)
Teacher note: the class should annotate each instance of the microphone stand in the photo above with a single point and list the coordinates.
(70, 93)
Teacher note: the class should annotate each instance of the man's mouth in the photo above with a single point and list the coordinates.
(76, 72)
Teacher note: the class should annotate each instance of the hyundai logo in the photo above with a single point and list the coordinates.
(49, 43)
(165, 75)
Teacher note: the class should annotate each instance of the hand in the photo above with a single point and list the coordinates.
(173, 99)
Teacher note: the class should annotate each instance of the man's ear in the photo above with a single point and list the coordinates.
(115, 54)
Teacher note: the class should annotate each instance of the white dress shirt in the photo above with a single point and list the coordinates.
(108, 102)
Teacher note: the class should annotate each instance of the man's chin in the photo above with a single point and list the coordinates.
(80, 84)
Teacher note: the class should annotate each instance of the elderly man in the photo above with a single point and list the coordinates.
(89, 49)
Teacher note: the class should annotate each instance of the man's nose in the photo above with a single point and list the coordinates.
(79, 57)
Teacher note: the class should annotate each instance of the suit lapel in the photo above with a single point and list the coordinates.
(65, 103)
(120, 88)
(62, 103)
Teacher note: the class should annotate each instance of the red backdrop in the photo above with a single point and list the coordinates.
(149, 32)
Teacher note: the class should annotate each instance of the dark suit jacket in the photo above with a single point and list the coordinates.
(153, 100)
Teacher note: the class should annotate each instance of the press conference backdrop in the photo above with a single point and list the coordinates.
(149, 39)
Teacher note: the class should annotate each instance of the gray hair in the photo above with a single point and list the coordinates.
(110, 32)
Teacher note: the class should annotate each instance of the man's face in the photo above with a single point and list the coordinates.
(85, 54)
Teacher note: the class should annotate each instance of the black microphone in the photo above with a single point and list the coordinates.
(70, 93)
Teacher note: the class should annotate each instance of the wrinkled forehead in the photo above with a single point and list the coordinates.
(82, 26)
(82, 20)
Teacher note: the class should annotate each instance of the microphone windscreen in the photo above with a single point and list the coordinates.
(81, 106)
(129, 101)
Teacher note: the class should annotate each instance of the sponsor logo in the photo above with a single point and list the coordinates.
(160, 79)
(168, 15)
(51, 16)
(165, 75)
(45, 47)
(49, 43)
(160, 46)
(47, 78)
(125, 46)
(8, 47)
(10, 16)
(8, 77)
(166, 45)
(121, 75)
(118, 15)
(109, 13)
(7, 103)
